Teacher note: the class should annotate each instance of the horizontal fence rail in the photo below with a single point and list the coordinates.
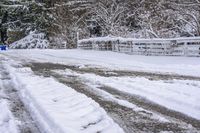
(189, 46)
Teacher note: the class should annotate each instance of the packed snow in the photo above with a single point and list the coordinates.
(7, 121)
(58, 108)
(178, 95)
(94, 84)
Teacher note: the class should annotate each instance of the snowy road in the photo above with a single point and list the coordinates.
(72, 92)
(12, 107)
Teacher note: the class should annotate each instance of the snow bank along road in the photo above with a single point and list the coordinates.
(94, 91)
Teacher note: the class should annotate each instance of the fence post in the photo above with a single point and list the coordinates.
(113, 43)
(117, 47)
(199, 51)
(185, 49)
(164, 49)
(131, 46)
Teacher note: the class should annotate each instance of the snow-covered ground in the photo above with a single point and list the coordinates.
(7, 121)
(58, 107)
(178, 95)
(161, 64)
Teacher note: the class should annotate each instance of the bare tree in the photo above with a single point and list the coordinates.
(111, 16)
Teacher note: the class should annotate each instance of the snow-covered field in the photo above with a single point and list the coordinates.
(112, 60)
(69, 96)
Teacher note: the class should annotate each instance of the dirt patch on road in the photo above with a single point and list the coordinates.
(111, 73)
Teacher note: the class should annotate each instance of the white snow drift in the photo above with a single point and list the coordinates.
(33, 40)
(58, 108)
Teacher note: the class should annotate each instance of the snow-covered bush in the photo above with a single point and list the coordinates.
(33, 40)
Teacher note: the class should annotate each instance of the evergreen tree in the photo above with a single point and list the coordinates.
(23, 17)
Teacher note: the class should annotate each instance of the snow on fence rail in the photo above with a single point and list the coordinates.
(189, 46)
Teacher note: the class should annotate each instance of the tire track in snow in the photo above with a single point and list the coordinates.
(128, 119)
(25, 123)
(139, 120)
(115, 73)
(59, 108)
(144, 103)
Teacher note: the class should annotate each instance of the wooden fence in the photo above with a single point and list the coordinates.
(189, 46)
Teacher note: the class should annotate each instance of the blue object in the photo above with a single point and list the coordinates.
(2, 47)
